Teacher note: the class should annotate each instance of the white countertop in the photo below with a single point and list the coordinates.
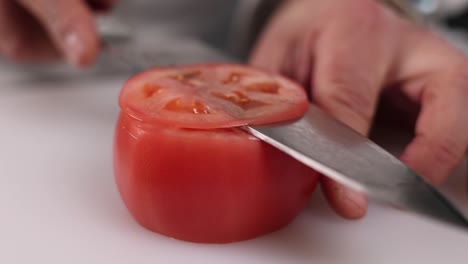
(59, 203)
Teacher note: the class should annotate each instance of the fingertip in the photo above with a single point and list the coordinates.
(80, 47)
(71, 26)
(353, 207)
(347, 203)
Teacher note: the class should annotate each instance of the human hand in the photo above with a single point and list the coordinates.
(37, 30)
(349, 54)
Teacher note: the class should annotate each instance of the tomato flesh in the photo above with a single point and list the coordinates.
(207, 186)
(212, 97)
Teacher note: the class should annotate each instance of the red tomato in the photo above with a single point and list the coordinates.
(208, 96)
(214, 185)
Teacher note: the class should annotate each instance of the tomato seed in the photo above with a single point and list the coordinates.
(187, 106)
(232, 78)
(240, 99)
(187, 76)
(267, 87)
(150, 89)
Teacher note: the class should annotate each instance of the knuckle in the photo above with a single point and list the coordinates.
(354, 95)
(450, 81)
(430, 96)
(447, 151)
(461, 75)
(366, 15)
(369, 15)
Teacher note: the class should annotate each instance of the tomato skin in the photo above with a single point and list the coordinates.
(211, 186)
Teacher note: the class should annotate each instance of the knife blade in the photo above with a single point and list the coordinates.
(337, 151)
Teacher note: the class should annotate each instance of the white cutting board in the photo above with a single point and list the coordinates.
(59, 204)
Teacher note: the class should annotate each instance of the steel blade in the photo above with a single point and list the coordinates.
(337, 151)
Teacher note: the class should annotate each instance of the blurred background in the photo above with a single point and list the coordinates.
(233, 25)
(210, 28)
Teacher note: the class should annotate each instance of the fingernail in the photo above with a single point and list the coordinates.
(74, 48)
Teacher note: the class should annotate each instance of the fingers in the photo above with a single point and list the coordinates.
(280, 48)
(71, 26)
(17, 31)
(290, 57)
(350, 72)
(441, 138)
(301, 60)
(435, 75)
(349, 75)
(270, 52)
(346, 202)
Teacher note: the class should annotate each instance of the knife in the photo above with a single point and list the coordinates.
(340, 153)
(317, 140)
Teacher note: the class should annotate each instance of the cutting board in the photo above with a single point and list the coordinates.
(59, 203)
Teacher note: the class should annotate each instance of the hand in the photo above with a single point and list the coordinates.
(351, 53)
(32, 30)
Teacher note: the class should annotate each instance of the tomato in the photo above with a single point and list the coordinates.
(208, 182)
(208, 96)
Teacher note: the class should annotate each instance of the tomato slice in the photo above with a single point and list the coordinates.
(212, 96)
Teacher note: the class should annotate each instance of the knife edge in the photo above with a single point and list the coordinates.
(301, 157)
